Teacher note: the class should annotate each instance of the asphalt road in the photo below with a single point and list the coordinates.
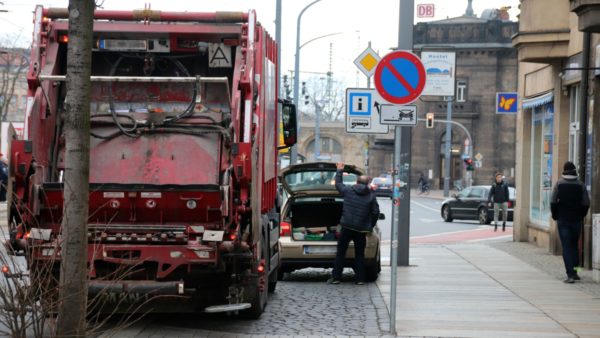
(425, 218)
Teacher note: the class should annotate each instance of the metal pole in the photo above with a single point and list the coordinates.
(294, 150)
(583, 148)
(405, 41)
(368, 136)
(448, 145)
(368, 77)
(317, 131)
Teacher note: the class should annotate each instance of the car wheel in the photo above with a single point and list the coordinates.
(482, 216)
(372, 271)
(446, 214)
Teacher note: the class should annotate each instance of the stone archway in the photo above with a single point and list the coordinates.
(332, 149)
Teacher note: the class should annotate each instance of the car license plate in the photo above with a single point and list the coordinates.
(311, 250)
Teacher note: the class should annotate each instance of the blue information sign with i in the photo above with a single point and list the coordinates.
(360, 104)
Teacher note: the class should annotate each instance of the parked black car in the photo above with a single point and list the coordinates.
(471, 204)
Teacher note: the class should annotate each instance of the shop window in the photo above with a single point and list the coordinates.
(542, 131)
(574, 123)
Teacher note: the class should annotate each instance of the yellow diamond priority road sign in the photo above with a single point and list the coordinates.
(367, 61)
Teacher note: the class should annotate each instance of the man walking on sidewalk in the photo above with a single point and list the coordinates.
(360, 212)
(499, 192)
(569, 205)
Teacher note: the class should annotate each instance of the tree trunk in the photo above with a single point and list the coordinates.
(73, 272)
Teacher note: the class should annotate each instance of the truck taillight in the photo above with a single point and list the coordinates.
(63, 39)
(285, 229)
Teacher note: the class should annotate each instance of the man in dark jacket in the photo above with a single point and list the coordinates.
(359, 215)
(500, 194)
(569, 205)
(3, 179)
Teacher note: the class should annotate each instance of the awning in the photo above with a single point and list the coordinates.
(539, 100)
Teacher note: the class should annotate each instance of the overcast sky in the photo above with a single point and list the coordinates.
(359, 21)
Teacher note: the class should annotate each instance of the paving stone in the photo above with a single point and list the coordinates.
(303, 305)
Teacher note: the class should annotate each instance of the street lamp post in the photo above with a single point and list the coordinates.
(294, 152)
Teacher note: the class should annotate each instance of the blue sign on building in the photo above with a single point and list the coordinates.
(507, 103)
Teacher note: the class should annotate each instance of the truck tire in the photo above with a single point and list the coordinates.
(259, 300)
(273, 280)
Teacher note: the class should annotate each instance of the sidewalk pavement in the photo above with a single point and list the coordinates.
(477, 290)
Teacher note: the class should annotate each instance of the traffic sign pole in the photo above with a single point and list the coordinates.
(400, 244)
(448, 142)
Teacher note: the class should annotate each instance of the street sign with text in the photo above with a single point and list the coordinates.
(440, 68)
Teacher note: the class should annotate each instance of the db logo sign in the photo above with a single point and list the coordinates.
(425, 11)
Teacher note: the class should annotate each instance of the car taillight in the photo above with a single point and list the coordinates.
(285, 229)
(510, 204)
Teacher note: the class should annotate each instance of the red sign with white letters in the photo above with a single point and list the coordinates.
(425, 11)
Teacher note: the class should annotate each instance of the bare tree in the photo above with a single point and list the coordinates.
(326, 95)
(71, 319)
(13, 65)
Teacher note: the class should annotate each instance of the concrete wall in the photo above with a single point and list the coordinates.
(540, 15)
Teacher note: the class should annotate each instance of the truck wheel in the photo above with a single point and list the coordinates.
(259, 301)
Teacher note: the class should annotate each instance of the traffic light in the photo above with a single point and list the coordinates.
(429, 121)
(469, 164)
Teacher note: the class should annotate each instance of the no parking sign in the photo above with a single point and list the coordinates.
(400, 77)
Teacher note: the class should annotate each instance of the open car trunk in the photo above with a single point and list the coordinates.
(316, 218)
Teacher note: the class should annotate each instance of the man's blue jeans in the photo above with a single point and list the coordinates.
(569, 233)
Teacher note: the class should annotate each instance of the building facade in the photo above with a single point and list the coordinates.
(336, 144)
(13, 84)
(559, 56)
(486, 63)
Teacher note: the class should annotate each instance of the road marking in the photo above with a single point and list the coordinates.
(424, 206)
(428, 220)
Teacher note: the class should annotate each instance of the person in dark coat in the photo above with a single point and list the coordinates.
(3, 178)
(360, 213)
(569, 205)
(500, 195)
